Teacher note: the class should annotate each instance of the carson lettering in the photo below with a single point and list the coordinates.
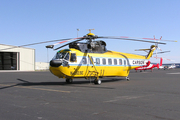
(139, 62)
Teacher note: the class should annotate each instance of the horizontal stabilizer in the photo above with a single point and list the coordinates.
(141, 49)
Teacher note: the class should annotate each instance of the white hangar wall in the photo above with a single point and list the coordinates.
(42, 66)
(27, 59)
(17, 58)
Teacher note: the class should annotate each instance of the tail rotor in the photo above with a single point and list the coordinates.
(156, 44)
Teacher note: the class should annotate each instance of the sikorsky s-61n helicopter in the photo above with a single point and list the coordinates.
(91, 59)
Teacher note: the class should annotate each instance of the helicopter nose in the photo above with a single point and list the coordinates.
(55, 63)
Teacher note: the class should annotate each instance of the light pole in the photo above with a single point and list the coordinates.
(77, 32)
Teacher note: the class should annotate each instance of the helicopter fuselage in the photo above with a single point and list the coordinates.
(73, 63)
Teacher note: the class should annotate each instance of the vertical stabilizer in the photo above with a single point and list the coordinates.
(161, 61)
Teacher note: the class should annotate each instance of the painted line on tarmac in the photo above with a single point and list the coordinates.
(51, 90)
(174, 73)
(118, 98)
(130, 97)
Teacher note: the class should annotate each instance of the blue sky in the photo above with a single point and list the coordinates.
(29, 21)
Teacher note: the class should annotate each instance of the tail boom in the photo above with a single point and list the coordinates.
(153, 47)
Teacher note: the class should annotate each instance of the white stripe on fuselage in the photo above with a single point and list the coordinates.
(129, 62)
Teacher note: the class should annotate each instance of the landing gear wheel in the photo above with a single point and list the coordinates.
(69, 80)
(97, 82)
(127, 78)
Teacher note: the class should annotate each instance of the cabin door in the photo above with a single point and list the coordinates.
(95, 68)
(99, 67)
(91, 68)
(125, 67)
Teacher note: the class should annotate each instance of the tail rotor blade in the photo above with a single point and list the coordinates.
(162, 52)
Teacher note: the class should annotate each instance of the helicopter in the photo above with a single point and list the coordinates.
(150, 66)
(91, 59)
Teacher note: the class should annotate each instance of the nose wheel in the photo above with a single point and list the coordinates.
(127, 78)
(97, 82)
(69, 80)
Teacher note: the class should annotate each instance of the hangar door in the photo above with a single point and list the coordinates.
(9, 61)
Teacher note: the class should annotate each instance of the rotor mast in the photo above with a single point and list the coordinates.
(91, 36)
(90, 30)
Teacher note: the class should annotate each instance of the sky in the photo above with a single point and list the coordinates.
(30, 21)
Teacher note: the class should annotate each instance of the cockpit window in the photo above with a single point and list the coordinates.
(73, 57)
(64, 55)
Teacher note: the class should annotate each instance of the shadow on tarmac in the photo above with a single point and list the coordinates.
(74, 84)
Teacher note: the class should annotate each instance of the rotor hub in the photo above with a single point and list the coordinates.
(91, 36)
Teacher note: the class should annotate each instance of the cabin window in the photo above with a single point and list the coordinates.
(73, 57)
(97, 61)
(84, 61)
(104, 61)
(110, 61)
(115, 61)
(62, 56)
(120, 61)
(125, 62)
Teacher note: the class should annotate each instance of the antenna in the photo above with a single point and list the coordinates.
(90, 30)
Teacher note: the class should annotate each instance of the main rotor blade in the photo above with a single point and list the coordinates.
(34, 44)
(44, 42)
(126, 37)
(131, 39)
(52, 46)
(69, 40)
(63, 41)
(69, 43)
(158, 39)
(164, 58)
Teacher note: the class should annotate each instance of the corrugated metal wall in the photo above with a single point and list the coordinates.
(17, 58)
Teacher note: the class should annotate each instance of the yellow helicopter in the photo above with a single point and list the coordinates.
(91, 59)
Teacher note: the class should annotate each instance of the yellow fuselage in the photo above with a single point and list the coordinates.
(106, 64)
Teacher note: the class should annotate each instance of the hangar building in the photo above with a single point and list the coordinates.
(17, 58)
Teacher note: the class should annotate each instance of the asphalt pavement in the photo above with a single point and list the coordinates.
(42, 96)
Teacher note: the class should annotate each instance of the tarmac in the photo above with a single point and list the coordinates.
(42, 96)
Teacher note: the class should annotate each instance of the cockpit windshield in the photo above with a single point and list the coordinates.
(63, 55)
